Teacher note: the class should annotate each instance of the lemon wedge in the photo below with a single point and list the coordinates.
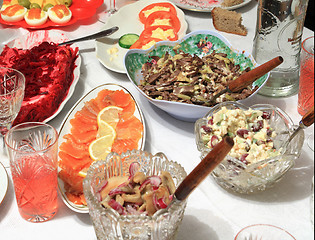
(101, 147)
(109, 115)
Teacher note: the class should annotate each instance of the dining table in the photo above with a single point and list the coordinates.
(212, 212)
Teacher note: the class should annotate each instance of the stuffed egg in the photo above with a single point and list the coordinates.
(36, 17)
(13, 13)
(6, 3)
(59, 14)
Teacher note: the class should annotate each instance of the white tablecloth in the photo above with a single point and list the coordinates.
(212, 213)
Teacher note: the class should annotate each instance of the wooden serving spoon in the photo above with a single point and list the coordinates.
(203, 169)
(249, 77)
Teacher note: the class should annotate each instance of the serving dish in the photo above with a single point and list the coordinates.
(81, 9)
(205, 5)
(235, 175)
(4, 182)
(128, 22)
(135, 58)
(66, 126)
(32, 39)
(108, 223)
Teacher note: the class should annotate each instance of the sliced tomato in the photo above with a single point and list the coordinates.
(144, 43)
(163, 18)
(160, 32)
(154, 7)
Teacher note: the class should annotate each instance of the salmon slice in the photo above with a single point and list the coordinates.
(134, 126)
(122, 145)
(120, 98)
(84, 138)
(75, 163)
(86, 111)
(85, 118)
(73, 184)
(128, 110)
(79, 126)
(75, 150)
(103, 99)
(92, 106)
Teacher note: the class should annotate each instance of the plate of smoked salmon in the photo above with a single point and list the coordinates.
(107, 119)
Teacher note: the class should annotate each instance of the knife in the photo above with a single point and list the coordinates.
(101, 34)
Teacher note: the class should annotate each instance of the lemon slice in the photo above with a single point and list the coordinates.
(105, 129)
(110, 115)
(100, 147)
(83, 172)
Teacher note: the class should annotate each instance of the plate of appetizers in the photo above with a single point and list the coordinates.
(47, 13)
(38, 56)
(208, 5)
(107, 119)
(4, 182)
(110, 52)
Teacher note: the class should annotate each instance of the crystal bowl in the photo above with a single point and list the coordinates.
(108, 223)
(233, 174)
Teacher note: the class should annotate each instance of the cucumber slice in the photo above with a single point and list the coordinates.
(127, 40)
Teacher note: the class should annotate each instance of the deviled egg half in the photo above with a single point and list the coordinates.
(59, 14)
(13, 13)
(36, 17)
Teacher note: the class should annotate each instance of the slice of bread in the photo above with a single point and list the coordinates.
(230, 3)
(228, 21)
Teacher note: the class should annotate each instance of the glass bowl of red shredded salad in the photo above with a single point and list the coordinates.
(129, 222)
(260, 157)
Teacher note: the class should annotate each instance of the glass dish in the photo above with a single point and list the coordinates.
(263, 231)
(108, 224)
(232, 174)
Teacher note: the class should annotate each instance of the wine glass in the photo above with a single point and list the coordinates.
(12, 85)
(112, 7)
(263, 231)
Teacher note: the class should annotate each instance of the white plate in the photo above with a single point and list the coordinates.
(128, 22)
(35, 38)
(4, 182)
(204, 5)
(66, 126)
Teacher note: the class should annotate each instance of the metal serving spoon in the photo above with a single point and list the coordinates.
(249, 77)
(101, 34)
(307, 120)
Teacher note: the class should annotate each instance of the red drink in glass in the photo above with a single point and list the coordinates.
(35, 183)
(33, 149)
(306, 85)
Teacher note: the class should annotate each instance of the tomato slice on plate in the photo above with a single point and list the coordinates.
(160, 32)
(163, 18)
(144, 43)
(154, 7)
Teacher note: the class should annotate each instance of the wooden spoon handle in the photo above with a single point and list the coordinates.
(308, 118)
(249, 77)
(203, 169)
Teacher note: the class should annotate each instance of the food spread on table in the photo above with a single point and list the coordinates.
(250, 129)
(106, 123)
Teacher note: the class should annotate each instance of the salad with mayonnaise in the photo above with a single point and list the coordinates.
(250, 129)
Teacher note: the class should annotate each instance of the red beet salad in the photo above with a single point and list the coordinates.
(48, 70)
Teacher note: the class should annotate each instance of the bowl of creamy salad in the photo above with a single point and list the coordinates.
(259, 157)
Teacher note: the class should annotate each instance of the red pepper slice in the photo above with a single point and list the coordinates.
(151, 32)
(173, 20)
(141, 42)
(168, 8)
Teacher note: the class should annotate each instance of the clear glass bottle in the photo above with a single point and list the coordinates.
(278, 33)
